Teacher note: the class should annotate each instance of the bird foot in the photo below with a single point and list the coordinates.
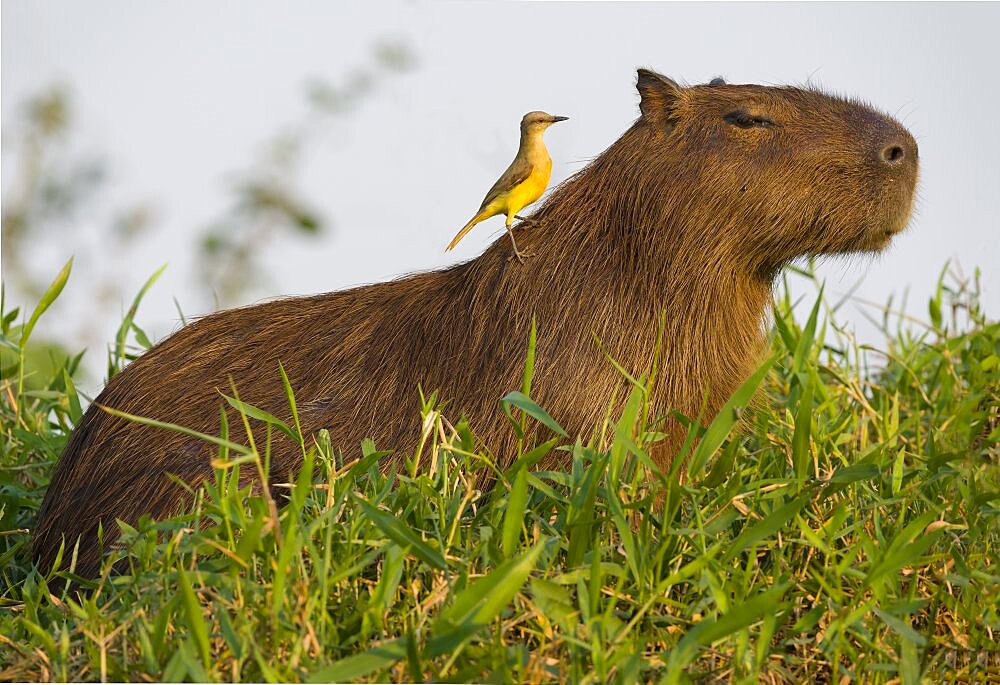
(517, 253)
(524, 220)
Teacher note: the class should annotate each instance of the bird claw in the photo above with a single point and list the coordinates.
(517, 253)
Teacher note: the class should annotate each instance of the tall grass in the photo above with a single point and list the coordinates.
(848, 530)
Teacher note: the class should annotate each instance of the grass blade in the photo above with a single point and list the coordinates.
(486, 597)
(261, 415)
(514, 515)
(126, 324)
(359, 665)
(236, 447)
(195, 621)
(398, 532)
(727, 418)
(528, 406)
(50, 295)
(766, 527)
(801, 455)
(707, 631)
(472, 609)
(807, 337)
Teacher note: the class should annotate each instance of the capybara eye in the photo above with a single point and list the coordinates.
(744, 119)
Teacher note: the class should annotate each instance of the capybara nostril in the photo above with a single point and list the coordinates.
(893, 154)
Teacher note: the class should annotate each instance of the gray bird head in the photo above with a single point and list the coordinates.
(538, 121)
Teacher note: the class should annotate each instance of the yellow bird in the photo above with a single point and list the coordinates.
(523, 182)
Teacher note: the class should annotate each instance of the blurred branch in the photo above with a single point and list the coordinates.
(52, 192)
(59, 201)
(266, 204)
(42, 194)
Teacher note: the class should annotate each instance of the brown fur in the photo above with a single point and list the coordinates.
(686, 214)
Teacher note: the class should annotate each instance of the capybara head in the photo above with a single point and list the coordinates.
(762, 174)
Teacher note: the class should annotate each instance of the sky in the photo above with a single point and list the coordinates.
(179, 94)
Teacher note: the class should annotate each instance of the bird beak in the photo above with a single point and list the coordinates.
(555, 119)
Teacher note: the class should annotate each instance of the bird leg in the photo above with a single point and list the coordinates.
(530, 222)
(517, 253)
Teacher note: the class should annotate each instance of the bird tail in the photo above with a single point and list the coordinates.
(481, 215)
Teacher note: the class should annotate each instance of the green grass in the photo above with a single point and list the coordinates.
(849, 530)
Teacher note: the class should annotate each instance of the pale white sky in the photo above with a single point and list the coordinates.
(180, 93)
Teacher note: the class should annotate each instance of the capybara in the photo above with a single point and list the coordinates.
(687, 219)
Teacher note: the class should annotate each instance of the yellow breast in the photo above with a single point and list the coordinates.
(531, 189)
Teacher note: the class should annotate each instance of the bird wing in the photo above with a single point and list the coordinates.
(516, 173)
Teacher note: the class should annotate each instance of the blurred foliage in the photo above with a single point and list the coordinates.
(266, 205)
(50, 189)
(59, 200)
(55, 199)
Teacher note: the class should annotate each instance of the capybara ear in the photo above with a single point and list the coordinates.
(658, 94)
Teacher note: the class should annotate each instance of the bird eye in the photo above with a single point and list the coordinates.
(744, 119)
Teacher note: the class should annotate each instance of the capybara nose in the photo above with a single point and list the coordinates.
(898, 149)
(893, 153)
